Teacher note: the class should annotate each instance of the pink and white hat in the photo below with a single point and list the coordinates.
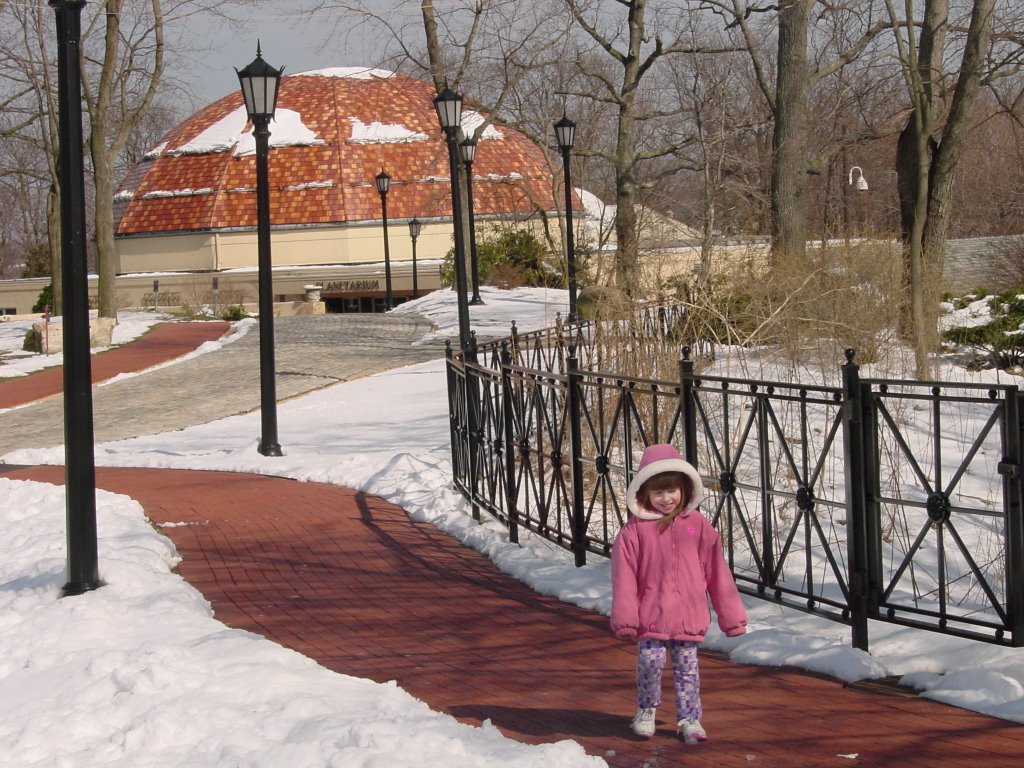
(656, 459)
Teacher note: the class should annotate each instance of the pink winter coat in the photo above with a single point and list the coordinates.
(661, 581)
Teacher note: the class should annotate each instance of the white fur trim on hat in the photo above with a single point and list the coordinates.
(656, 459)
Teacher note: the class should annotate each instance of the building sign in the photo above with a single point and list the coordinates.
(351, 286)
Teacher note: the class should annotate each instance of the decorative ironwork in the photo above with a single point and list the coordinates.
(820, 500)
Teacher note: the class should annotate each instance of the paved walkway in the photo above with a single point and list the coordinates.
(310, 352)
(163, 342)
(349, 580)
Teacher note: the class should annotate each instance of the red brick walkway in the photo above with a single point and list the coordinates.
(163, 342)
(350, 581)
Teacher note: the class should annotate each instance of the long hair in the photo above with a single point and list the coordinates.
(666, 481)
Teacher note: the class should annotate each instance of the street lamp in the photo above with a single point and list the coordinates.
(467, 149)
(861, 185)
(259, 82)
(565, 134)
(79, 458)
(449, 112)
(383, 182)
(414, 232)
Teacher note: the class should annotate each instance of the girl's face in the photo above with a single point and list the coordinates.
(665, 500)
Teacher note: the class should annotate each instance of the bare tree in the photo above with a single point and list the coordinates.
(724, 160)
(120, 82)
(625, 52)
(29, 118)
(930, 149)
(122, 72)
(803, 60)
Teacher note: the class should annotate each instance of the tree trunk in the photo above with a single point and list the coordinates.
(115, 109)
(789, 140)
(626, 236)
(53, 235)
(926, 167)
(106, 255)
(954, 139)
(439, 75)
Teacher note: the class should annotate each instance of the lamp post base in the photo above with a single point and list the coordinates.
(73, 588)
(476, 301)
(269, 449)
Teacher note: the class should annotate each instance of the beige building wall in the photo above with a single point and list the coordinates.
(187, 253)
(180, 269)
(17, 297)
(303, 246)
(219, 290)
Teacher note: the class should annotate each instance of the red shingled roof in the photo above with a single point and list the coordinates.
(180, 186)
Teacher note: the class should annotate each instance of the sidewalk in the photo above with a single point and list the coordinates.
(165, 341)
(347, 579)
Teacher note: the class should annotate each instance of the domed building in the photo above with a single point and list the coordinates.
(186, 213)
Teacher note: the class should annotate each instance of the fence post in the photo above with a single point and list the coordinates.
(687, 406)
(573, 393)
(507, 415)
(1013, 500)
(513, 334)
(472, 421)
(857, 528)
(452, 410)
(765, 483)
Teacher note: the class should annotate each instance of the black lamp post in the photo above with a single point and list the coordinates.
(565, 133)
(259, 83)
(467, 149)
(383, 182)
(449, 112)
(414, 232)
(79, 460)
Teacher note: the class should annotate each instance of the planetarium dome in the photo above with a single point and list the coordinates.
(333, 132)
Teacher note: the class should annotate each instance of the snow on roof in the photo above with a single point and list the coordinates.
(156, 151)
(229, 133)
(382, 133)
(355, 73)
(594, 207)
(471, 121)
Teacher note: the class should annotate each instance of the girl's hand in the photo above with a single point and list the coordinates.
(626, 634)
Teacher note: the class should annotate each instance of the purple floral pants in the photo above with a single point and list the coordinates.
(650, 662)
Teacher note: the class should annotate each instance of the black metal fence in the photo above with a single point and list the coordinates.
(896, 501)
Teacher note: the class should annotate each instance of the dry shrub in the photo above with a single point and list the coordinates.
(808, 308)
(508, 276)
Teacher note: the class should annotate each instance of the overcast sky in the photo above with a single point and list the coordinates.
(288, 39)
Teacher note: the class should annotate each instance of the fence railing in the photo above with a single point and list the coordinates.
(895, 501)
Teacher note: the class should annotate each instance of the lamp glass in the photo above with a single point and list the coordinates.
(383, 182)
(449, 108)
(259, 83)
(414, 228)
(467, 149)
(565, 132)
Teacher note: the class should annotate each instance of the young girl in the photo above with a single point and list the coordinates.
(666, 560)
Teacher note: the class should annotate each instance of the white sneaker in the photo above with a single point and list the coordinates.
(691, 731)
(643, 723)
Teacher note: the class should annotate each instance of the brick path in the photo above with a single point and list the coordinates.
(349, 580)
(164, 342)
